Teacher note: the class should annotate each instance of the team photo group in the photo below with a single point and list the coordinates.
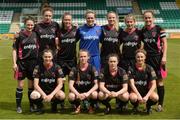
(94, 63)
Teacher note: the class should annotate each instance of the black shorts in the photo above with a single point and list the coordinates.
(114, 89)
(125, 63)
(66, 66)
(82, 89)
(155, 62)
(25, 69)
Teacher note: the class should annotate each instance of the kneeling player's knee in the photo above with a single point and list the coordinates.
(154, 97)
(124, 97)
(101, 95)
(35, 95)
(71, 97)
(60, 95)
(133, 97)
(94, 95)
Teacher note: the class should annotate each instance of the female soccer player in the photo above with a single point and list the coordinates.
(47, 31)
(113, 83)
(66, 55)
(142, 82)
(110, 42)
(83, 82)
(130, 39)
(48, 82)
(25, 53)
(155, 43)
(90, 35)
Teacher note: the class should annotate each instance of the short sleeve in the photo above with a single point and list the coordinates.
(72, 74)
(95, 73)
(36, 73)
(152, 74)
(125, 77)
(59, 73)
(130, 73)
(101, 76)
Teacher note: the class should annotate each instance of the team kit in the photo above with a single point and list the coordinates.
(126, 64)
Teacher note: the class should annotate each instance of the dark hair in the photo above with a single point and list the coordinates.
(47, 50)
(113, 55)
(28, 18)
(47, 8)
(141, 51)
(84, 50)
(149, 11)
(63, 16)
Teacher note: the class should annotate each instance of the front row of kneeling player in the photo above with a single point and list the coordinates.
(84, 81)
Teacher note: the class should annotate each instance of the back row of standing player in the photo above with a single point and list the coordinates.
(62, 40)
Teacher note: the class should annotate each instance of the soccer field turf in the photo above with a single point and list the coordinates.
(8, 86)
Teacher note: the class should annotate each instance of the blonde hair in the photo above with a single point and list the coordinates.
(129, 16)
(90, 11)
(117, 19)
(141, 51)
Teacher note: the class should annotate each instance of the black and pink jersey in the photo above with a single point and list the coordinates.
(47, 32)
(113, 83)
(26, 45)
(142, 78)
(130, 43)
(48, 77)
(152, 40)
(84, 80)
(110, 42)
(67, 46)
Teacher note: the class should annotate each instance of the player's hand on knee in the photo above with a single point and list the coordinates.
(86, 94)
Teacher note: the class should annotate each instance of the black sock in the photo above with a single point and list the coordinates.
(160, 91)
(19, 94)
(135, 104)
(39, 103)
(29, 93)
(92, 102)
(150, 103)
(122, 103)
(106, 102)
(75, 102)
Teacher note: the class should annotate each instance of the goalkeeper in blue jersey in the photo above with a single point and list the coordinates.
(89, 35)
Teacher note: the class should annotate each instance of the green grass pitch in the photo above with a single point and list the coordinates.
(8, 86)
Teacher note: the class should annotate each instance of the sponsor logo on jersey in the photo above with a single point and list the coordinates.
(47, 80)
(68, 40)
(149, 40)
(141, 83)
(110, 39)
(90, 37)
(112, 86)
(132, 44)
(31, 46)
(83, 82)
(47, 36)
